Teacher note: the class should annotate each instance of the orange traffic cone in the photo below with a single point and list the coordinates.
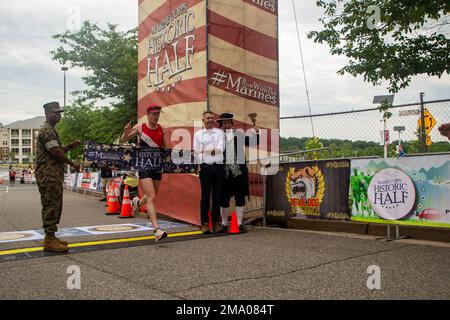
(234, 227)
(113, 204)
(126, 211)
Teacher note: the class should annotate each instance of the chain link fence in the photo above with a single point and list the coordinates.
(361, 132)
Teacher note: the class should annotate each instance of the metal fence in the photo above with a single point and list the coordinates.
(367, 125)
(356, 125)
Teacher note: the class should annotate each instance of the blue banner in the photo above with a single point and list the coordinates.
(124, 157)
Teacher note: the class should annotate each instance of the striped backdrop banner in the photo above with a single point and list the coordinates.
(172, 73)
(195, 55)
(172, 58)
(243, 60)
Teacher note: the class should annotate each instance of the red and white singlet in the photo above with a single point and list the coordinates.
(151, 138)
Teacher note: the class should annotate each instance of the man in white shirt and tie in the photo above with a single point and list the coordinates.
(209, 148)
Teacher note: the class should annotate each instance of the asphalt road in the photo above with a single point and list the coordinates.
(265, 263)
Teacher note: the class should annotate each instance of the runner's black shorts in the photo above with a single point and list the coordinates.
(150, 174)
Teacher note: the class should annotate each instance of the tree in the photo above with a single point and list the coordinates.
(88, 123)
(347, 148)
(311, 144)
(388, 40)
(12, 156)
(110, 57)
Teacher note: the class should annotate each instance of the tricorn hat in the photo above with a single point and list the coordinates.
(225, 116)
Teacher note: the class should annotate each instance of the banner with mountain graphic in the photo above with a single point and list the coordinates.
(309, 190)
(408, 190)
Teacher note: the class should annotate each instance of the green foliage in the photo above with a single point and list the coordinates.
(11, 155)
(111, 59)
(314, 143)
(347, 148)
(408, 40)
(441, 146)
(311, 144)
(87, 123)
(384, 107)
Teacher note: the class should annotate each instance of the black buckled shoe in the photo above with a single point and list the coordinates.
(222, 229)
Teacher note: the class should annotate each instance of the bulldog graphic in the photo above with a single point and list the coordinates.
(303, 184)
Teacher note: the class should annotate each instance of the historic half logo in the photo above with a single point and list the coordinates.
(392, 194)
(305, 190)
(170, 48)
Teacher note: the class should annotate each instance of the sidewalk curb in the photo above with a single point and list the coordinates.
(372, 229)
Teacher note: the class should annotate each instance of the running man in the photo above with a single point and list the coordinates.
(149, 134)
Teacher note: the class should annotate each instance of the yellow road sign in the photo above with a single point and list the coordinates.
(429, 142)
(430, 122)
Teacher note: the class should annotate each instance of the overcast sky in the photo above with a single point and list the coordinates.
(29, 78)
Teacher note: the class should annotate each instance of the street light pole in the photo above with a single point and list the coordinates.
(423, 135)
(380, 100)
(64, 69)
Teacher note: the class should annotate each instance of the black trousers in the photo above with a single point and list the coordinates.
(233, 186)
(211, 180)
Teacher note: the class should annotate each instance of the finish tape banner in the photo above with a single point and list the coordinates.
(131, 158)
(310, 190)
(408, 190)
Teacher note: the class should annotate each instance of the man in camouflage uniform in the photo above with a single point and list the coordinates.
(50, 175)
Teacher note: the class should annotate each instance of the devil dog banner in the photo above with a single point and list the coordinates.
(131, 158)
(310, 190)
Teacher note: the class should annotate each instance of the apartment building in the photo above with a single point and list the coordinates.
(4, 143)
(23, 139)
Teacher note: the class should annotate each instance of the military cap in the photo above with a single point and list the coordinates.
(153, 108)
(52, 106)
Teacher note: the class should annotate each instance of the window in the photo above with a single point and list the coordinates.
(5, 143)
(5, 152)
(26, 151)
(26, 142)
(14, 133)
(26, 132)
(15, 150)
(15, 142)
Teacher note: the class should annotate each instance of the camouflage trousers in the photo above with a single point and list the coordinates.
(51, 201)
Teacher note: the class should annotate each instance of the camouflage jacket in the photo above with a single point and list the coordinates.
(48, 168)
